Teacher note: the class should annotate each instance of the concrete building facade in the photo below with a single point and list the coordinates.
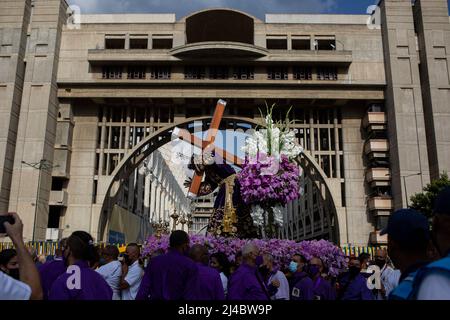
(84, 98)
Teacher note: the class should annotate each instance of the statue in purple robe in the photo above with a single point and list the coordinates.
(231, 216)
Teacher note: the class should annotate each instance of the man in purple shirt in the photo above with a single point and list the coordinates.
(80, 282)
(246, 283)
(322, 288)
(50, 271)
(301, 284)
(209, 285)
(353, 285)
(172, 276)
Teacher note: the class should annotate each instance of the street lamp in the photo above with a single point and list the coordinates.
(404, 183)
(41, 165)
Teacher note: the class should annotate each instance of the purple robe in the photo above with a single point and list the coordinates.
(92, 286)
(246, 283)
(302, 287)
(171, 276)
(323, 290)
(209, 285)
(49, 272)
(356, 288)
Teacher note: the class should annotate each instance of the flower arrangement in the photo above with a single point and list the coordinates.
(282, 250)
(270, 176)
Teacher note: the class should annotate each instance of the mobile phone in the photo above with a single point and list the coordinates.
(4, 219)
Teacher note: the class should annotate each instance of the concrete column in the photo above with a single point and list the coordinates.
(406, 127)
(38, 113)
(433, 29)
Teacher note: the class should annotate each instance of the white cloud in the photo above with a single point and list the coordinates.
(185, 7)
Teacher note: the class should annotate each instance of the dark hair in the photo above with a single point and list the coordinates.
(6, 255)
(363, 256)
(111, 251)
(223, 261)
(302, 257)
(81, 245)
(178, 238)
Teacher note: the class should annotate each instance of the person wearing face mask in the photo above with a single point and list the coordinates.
(171, 276)
(433, 281)
(131, 272)
(301, 285)
(408, 246)
(111, 269)
(9, 263)
(50, 271)
(276, 281)
(322, 288)
(353, 285)
(389, 276)
(220, 262)
(80, 282)
(246, 282)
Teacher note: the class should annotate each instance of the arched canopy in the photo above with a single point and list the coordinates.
(163, 136)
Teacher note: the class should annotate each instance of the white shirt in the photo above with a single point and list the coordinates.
(224, 280)
(133, 278)
(435, 286)
(112, 272)
(12, 289)
(389, 280)
(283, 290)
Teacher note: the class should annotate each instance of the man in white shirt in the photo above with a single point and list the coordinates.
(111, 270)
(29, 287)
(389, 277)
(276, 278)
(132, 273)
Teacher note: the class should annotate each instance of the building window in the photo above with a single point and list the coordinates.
(160, 73)
(277, 73)
(139, 43)
(243, 73)
(115, 43)
(162, 42)
(112, 72)
(194, 73)
(301, 43)
(136, 72)
(302, 73)
(325, 43)
(218, 73)
(327, 73)
(276, 42)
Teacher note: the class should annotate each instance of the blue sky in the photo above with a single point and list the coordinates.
(254, 7)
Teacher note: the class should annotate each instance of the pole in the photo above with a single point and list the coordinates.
(406, 191)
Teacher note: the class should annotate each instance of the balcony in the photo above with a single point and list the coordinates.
(378, 177)
(58, 198)
(377, 148)
(375, 238)
(381, 205)
(375, 121)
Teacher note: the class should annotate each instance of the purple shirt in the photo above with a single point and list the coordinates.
(323, 290)
(92, 286)
(246, 283)
(356, 288)
(302, 287)
(171, 276)
(209, 285)
(49, 272)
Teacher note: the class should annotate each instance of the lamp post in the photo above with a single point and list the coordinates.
(404, 183)
(43, 164)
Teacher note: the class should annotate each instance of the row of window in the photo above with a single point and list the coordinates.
(219, 73)
(302, 43)
(139, 43)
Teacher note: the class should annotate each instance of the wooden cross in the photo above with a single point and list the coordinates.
(207, 145)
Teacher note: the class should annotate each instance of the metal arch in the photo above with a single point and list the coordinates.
(163, 136)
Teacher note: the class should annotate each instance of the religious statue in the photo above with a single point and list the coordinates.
(231, 216)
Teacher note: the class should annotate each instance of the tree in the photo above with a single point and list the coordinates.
(424, 201)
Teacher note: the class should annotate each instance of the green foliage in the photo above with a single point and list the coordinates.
(423, 202)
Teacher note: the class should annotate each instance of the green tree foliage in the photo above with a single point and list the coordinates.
(424, 201)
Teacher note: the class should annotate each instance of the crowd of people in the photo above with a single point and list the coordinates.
(416, 266)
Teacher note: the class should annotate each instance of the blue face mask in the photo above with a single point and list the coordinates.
(293, 266)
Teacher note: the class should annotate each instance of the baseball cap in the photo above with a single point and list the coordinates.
(404, 225)
(442, 202)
